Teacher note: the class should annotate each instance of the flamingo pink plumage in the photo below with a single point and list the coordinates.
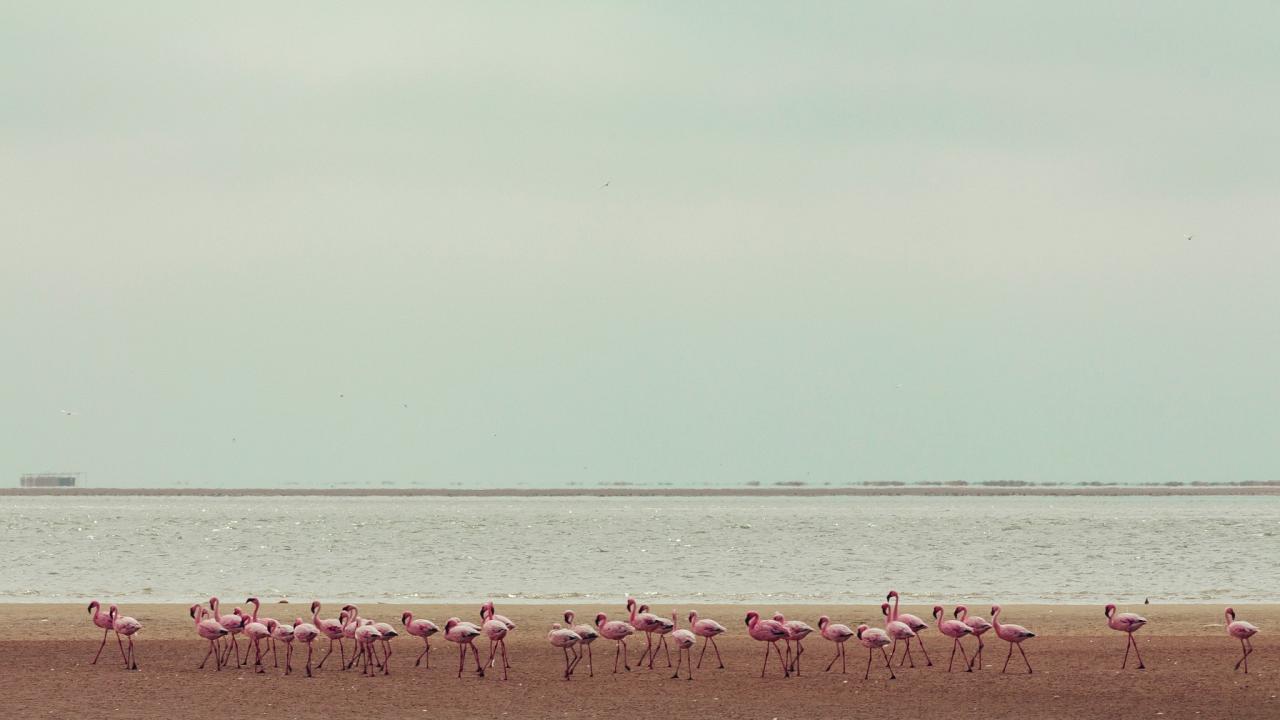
(586, 635)
(420, 628)
(1127, 623)
(646, 623)
(916, 624)
(617, 631)
(898, 630)
(1241, 631)
(233, 623)
(978, 626)
(955, 630)
(281, 633)
(707, 629)
(564, 639)
(102, 620)
(838, 634)
(796, 632)
(331, 629)
(662, 629)
(872, 638)
(306, 633)
(496, 630)
(684, 640)
(210, 630)
(1012, 634)
(128, 627)
(464, 634)
(769, 631)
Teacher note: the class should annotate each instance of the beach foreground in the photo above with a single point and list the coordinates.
(45, 671)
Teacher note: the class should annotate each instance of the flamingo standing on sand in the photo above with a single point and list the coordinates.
(234, 624)
(464, 634)
(684, 640)
(350, 618)
(257, 608)
(331, 629)
(617, 631)
(1012, 634)
(663, 628)
(102, 620)
(955, 630)
(707, 629)
(305, 632)
(838, 634)
(281, 633)
(488, 607)
(796, 632)
(646, 623)
(564, 639)
(897, 630)
(770, 631)
(916, 624)
(257, 632)
(872, 638)
(1128, 623)
(586, 635)
(366, 637)
(978, 626)
(210, 630)
(127, 626)
(420, 628)
(496, 630)
(1241, 631)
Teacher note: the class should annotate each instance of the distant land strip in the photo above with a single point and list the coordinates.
(775, 491)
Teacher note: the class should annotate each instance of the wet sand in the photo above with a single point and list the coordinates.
(45, 672)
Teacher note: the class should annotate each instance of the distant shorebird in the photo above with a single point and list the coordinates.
(605, 185)
(1190, 236)
(69, 413)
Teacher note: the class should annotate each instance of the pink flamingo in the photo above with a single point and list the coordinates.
(617, 631)
(351, 620)
(1012, 634)
(916, 624)
(234, 624)
(127, 626)
(210, 630)
(496, 630)
(464, 634)
(662, 629)
(796, 632)
(564, 639)
(366, 636)
(420, 628)
(488, 607)
(898, 630)
(257, 632)
(306, 633)
(1127, 623)
(978, 626)
(331, 629)
(684, 640)
(586, 635)
(872, 638)
(646, 623)
(257, 608)
(103, 620)
(955, 630)
(281, 633)
(707, 629)
(1241, 631)
(770, 631)
(385, 634)
(838, 634)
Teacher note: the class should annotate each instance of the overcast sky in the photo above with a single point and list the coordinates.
(263, 243)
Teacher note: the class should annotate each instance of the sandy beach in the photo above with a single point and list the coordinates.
(45, 656)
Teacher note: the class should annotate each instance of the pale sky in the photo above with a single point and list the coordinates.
(840, 242)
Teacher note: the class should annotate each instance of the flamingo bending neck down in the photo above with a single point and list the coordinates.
(1012, 634)
(1241, 631)
(1127, 623)
(768, 631)
(954, 629)
(916, 624)
(281, 633)
(564, 638)
(872, 638)
(684, 640)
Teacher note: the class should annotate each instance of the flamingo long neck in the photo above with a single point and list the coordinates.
(97, 611)
(995, 620)
(893, 612)
(633, 613)
(213, 605)
(315, 615)
(254, 616)
(963, 614)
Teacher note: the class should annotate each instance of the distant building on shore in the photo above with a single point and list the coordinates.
(50, 480)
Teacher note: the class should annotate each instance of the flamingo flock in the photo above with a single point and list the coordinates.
(371, 650)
